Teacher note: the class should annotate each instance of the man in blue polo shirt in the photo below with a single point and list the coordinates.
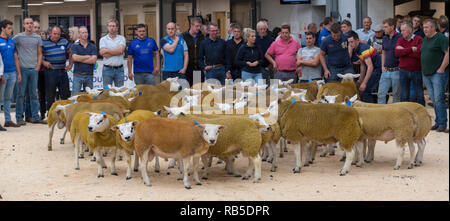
(327, 23)
(54, 50)
(212, 53)
(140, 58)
(370, 66)
(11, 68)
(176, 55)
(335, 47)
(84, 55)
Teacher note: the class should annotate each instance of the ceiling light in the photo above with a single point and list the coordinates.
(14, 6)
(35, 4)
(52, 3)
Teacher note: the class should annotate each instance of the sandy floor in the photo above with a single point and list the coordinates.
(30, 172)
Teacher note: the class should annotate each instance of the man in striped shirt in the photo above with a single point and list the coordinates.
(54, 50)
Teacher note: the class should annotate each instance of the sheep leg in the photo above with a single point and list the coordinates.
(61, 141)
(219, 161)
(273, 146)
(50, 136)
(206, 167)
(285, 146)
(157, 164)
(282, 147)
(113, 162)
(357, 151)
(120, 157)
(325, 149)
(366, 141)
(250, 169)
(270, 152)
(180, 165)
(331, 149)
(348, 161)
(412, 151)
(104, 152)
(400, 153)
(370, 151)
(256, 161)
(196, 162)
(76, 149)
(172, 163)
(81, 151)
(297, 158)
(421, 148)
(128, 158)
(99, 159)
(231, 170)
(186, 164)
(210, 158)
(303, 153)
(264, 153)
(144, 162)
(344, 156)
(313, 153)
(360, 146)
(136, 162)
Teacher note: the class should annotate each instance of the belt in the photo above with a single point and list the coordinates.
(81, 74)
(113, 67)
(288, 70)
(392, 69)
(217, 65)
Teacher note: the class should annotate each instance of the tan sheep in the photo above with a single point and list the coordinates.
(346, 88)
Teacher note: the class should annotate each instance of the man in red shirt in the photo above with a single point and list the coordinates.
(408, 52)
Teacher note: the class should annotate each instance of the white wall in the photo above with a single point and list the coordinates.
(348, 6)
(205, 7)
(380, 10)
(298, 16)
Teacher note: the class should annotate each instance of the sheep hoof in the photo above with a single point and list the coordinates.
(273, 170)
(61, 141)
(180, 178)
(170, 167)
(136, 170)
(77, 168)
(269, 161)
(353, 163)
(245, 178)
(104, 167)
(359, 165)
(219, 162)
(237, 175)
(396, 167)
(80, 157)
(188, 187)
(285, 150)
(323, 155)
(310, 162)
(149, 185)
(114, 174)
(105, 154)
(342, 159)
(128, 178)
(156, 171)
(102, 176)
(49, 148)
(306, 164)
(87, 150)
(198, 184)
(296, 170)
(91, 154)
(281, 155)
(230, 173)
(119, 159)
(204, 178)
(332, 154)
(411, 166)
(367, 161)
(263, 160)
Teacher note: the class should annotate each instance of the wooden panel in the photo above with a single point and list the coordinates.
(129, 23)
(183, 21)
(221, 21)
(150, 21)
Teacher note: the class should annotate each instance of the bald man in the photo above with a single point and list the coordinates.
(176, 55)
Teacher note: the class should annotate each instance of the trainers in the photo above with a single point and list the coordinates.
(30, 120)
(21, 123)
(442, 129)
(11, 124)
(2, 128)
(435, 127)
(39, 122)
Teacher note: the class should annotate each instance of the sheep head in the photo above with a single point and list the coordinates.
(210, 132)
(126, 130)
(97, 122)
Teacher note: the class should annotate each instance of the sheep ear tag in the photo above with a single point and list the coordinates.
(274, 87)
(295, 99)
(309, 80)
(95, 98)
(140, 93)
(349, 103)
(196, 122)
(102, 113)
(107, 87)
(74, 101)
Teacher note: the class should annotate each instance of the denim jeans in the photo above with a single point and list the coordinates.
(173, 74)
(111, 75)
(436, 84)
(144, 78)
(334, 71)
(387, 80)
(27, 106)
(81, 82)
(56, 79)
(217, 73)
(285, 76)
(7, 91)
(371, 85)
(414, 78)
(41, 92)
(254, 76)
(28, 89)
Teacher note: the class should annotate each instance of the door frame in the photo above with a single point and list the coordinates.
(98, 25)
(173, 13)
(253, 2)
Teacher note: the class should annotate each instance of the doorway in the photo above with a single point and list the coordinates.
(220, 19)
(243, 12)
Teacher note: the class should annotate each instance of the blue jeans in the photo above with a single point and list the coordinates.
(334, 71)
(56, 79)
(173, 74)
(414, 78)
(8, 88)
(436, 84)
(217, 73)
(28, 89)
(81, 82)
(254, 76)
(387, 80)
(371, 85)
(111, 75)
(144, 78)
(27, 102)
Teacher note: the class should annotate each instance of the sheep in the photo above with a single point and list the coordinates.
(312, 88)
(421, 118)
(53, 120)
(321, 123)
(152, 102)
(346, 87)
(169, 85)
(241, 135)
(125, 137)
(156, 137)
(95, 131)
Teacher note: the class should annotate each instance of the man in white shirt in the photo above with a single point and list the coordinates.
(365, 33)
(112, 47)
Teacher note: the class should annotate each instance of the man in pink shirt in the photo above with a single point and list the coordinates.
(285, 52)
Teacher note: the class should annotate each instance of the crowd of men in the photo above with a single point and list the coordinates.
(400, 53)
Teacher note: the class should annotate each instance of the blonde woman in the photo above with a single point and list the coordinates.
(73, 34)
(250, 57)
